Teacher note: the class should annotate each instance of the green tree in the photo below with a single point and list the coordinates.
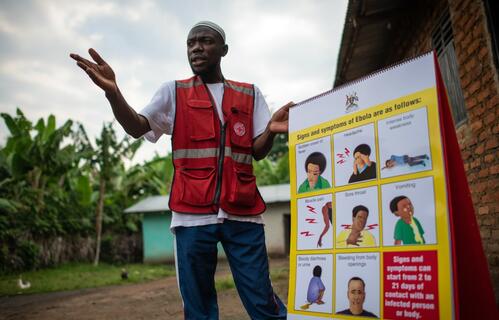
(54, 183)
(36, 199)
(270, 172)
(153, 177)
(108, 160)
(279, 148)
(132, 185)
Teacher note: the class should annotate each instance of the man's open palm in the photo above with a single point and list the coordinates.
(99, 71)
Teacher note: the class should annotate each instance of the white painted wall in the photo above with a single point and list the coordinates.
(274, 227)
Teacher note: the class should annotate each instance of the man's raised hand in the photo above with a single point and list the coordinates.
(99, 71)
(279, 120)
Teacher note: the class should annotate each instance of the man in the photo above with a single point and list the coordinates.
(217, 126)
(356, 297)
(315, 164)
(363, 167)
(356, 235)
(408, 229)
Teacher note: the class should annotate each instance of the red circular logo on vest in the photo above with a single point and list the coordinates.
(239, 129)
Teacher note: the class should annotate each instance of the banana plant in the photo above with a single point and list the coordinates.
(36, 194)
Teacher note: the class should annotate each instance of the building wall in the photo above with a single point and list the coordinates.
(157, 238)
(478, 135)
(158, 241)
(275, 228)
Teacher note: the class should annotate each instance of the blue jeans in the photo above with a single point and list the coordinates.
(244, 246)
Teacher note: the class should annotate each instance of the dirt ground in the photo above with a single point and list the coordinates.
(157, 299)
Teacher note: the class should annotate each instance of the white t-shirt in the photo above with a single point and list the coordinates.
(160, 113)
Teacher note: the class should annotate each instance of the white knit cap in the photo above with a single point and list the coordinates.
(212, 26)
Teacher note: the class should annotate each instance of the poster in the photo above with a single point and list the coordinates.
(369, 201)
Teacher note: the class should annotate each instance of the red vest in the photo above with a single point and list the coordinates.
(213, 162)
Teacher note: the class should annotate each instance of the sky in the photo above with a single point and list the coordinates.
(288, 49)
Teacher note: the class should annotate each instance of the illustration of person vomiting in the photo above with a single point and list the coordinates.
(327, 216)
(315, 290)
(405, 159)
(363, 167)
(355, 235)
(315, 164)
(408, 230)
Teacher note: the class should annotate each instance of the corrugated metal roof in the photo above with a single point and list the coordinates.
(270, 194)
(367, 35)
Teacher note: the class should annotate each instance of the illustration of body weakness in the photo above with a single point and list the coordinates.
(315, 290)
(406, 160)
(315, 164)
(356, 235)
(408, 230)
(217, 126)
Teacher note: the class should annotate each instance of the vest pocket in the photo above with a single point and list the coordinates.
(197, 186)
(201, 116)
(240, 128)
(243, 189)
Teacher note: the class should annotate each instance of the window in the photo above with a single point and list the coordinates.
(443, 43)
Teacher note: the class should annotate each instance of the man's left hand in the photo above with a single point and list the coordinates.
(279, 120)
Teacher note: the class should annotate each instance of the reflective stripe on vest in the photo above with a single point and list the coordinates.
(211, 152)
(192, 83)
(237, 88)
(197, 82)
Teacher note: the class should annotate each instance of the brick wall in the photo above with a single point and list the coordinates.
(478, 135)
